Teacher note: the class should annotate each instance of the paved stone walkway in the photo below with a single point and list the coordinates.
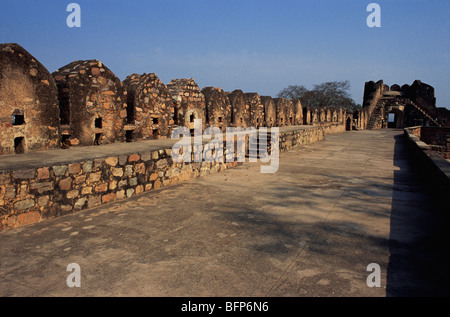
(311, 229)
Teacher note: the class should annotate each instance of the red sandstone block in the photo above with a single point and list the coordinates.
(65, 184)
(43, 173)
(28, 218)
(134, 158)
(102, 187)
(108, 198)
(74, 168)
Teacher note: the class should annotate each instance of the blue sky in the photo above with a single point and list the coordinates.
(254, 45)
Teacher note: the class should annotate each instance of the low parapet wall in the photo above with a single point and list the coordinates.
(432, 166)
(38, 186)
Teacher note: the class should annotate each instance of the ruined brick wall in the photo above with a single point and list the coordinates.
(443, 115)
(314, 116)
(423, 95)
(240, 109)
(270, 111)
(307, 115)
(285, 111)
(218, 108)
(328, 115)
(334, 115)
(149, 107)
(372, 92)
(189, 102)
(29, 112)
(32, 194)
(298, 112)
(434, 135)
(256, 109)
(322, 115)
(92, 103)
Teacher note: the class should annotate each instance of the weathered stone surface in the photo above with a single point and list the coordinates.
(24, 174)
(80, 179)
(161, 163)
(65, 184)
(218, 108)
(123, 159)
(28, 103)
(129, 170)
(43, 200)
(95, 177)
(134, 158)
(74, 168)
(86, 190)
(139, 168)
(60, 170)
(130, 192)
(101, 187)
(42, 187)
(94, 201)
(112, 161)
(24, 204)
(240, 109)
(133, 181)
(139, 189)
(108, 198)
(91, 100)
(120, 194)
(28, 218)
(112, 185)
(150, 107)
(118, 172)
(72, 194)
(87, 167)
(43, 173)
(80, 203)
(188, 100)
(5, 179)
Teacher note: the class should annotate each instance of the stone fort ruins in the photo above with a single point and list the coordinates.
(84, 105)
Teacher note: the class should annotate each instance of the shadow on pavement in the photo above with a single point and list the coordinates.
(418, 262)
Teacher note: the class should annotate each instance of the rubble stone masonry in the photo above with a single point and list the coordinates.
(31, 194)
(29, 112)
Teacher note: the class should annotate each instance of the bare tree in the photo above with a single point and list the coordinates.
(329, 94)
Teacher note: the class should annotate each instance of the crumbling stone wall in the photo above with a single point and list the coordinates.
(322, 115)
(314, 116)
(149, 107)
(334, 115)
(423, 95)
(92, 103)
(34, 194)
(218, 108)
(306, 115)
(29, 112)
(298, 112)
(240, 109)
(270, 111)
(329, 116)
(40, 191)
(285, 111)
(189, 102)
(256, 109)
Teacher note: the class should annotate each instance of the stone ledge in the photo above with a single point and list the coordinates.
(34, 189)
(433, 166)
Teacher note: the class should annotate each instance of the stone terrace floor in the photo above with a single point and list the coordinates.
(311, 229)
